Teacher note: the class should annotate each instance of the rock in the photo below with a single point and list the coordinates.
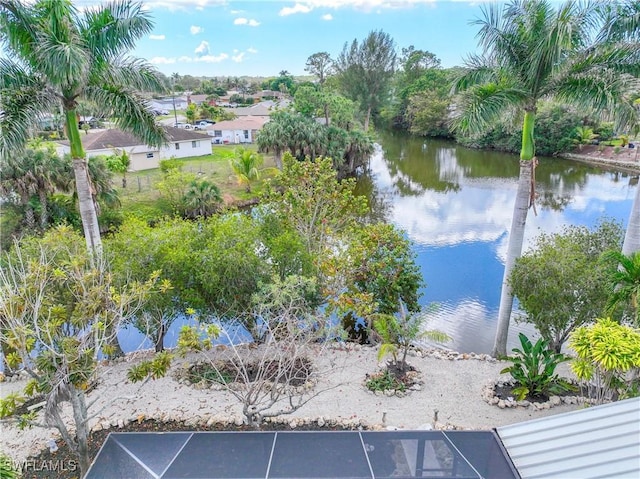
(555, 400)
(389, 392)
(238, 421)
(495, 400)
(501, 404)
(293, 424)
(321, 422)
(425, 427)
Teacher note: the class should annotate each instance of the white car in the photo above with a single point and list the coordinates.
(186, 126)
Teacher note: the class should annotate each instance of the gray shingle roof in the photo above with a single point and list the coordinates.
(115, 138)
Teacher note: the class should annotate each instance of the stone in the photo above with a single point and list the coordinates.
(321, 422)
(555, 400)
(501, 404)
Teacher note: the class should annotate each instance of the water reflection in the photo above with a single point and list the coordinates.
(456, 204)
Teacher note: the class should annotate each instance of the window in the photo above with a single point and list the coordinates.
(195, 144)
(177, 146)
(246, 134)
(149, 155)
(217, 132)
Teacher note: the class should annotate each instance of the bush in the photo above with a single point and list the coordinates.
(384, 381)
(606, 351)
(533, 370)
(171, 164)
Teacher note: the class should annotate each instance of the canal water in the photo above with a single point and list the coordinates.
(456, 204)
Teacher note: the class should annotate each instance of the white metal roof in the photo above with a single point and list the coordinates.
(596, 442)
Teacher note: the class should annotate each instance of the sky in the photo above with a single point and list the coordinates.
(264, 37)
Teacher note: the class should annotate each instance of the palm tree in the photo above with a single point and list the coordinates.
(245, 165)
(58, 56)
(625, 283)
(202, 198)
(534, 52)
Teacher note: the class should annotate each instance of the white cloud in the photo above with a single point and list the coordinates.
(305, 6)
(238, 58)
(297, 8)
(252, 50)
(327, 17)
(156, 37)
(162, 61)
(245, 21)
(195, 30)
(212, 58)
(202, 49)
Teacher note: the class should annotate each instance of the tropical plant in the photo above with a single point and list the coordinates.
(202, 198)
(399, 332)
(37, 171)
(57, 55)
(119, 162)
(607, 351)
(532, 52)
(624, 283)
(533, 369)
(584, 136)
(245, 165)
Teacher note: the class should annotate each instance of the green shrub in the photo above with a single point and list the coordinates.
(606, 351)
(7, 468)
(384, 381)
(171, 164)
(533, 370)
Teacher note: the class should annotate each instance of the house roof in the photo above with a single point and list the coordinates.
(600, 441)
(108, 139)
(243, 123)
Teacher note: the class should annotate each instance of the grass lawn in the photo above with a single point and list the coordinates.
(141, 189)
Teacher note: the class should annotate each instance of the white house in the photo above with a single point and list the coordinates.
(240, 130)
(181, 144)
(167, 103)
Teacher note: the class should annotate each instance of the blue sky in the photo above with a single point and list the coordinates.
(263, 37)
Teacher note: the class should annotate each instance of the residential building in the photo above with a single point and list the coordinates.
(181, 144)
(240, 130)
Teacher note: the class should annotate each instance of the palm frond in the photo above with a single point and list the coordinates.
(477, 70)
(620, 21)
(113, 28)
(28, 99)
(133, 72)
(481, 106)
(63, 61)
(131, 110)
(17, 27)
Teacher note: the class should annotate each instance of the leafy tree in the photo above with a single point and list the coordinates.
(365, 71)
(55, 58)
(168, 250)
(561, 283)
(320, 65)
(308, 101)
(606, 352)
(119, 162)
(245, 165)
(310, 198)
(174, 186)
(531, 52)
(624, 283)
(58, 308)
(190, 113)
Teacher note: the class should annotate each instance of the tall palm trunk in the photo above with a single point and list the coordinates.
(632, 236)
(83, 187)
(516, 233)
(44, 210)
(366, 120)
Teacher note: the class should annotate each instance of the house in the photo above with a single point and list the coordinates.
(182, 143)
(200, 99)
(240, 130)
(264, 108)
(167, 103)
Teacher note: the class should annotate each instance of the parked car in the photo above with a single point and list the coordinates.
(205, 123)
(186, 126)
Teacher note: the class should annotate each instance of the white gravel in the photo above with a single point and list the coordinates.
(451, 387)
